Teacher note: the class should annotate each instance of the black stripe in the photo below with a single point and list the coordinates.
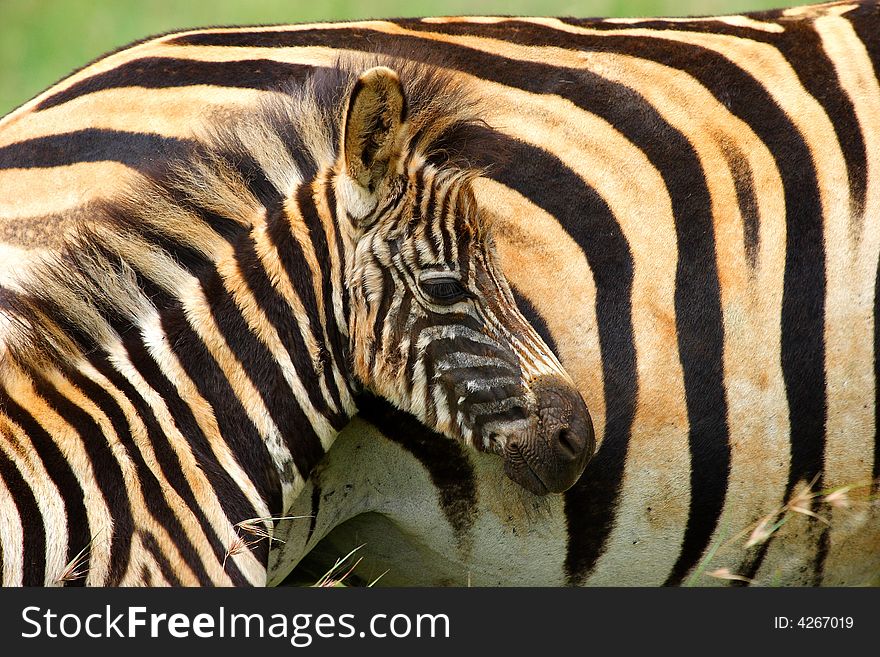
(134, 149)
(315, 506)
(153, 548)
(876, 470)
(300, 275)
(445, 233)
(184, 254)
(744, 185)
(485, 395)
(382, 319)
(419, 188)
(432, 219)
(462, 373)
(699, 326)
(865, 20)
(254, 177)
(33, 547)
(279, 123)
(61, 474)
(417, 185)
(167, 72)
(401, 333)
(162, 174)
(444, 459)
(330, 196)
(461, 248)
(801, 45)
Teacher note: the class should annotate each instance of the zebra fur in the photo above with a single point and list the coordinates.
(688, 209)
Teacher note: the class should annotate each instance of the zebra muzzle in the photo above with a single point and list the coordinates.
(550, 456)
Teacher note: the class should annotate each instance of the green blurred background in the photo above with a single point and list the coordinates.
(41, 41)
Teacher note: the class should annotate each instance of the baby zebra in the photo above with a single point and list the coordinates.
(172, 374)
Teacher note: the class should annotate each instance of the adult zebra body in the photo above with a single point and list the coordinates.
(702, 194)
(174, 371)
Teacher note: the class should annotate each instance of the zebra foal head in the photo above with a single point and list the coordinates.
(329, 241)
(434, 327)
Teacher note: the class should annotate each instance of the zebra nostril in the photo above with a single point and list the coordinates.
(567, 443)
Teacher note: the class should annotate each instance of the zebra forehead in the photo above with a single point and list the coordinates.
(445, 200)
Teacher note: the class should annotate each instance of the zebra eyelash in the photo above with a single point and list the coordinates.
(445, 291)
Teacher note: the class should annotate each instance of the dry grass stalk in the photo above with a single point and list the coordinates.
(331, 578)
(801, 502)
(725, 574)
(261, 526)
(74, 569)
(237, 546)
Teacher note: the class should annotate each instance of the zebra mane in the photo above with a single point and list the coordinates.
(187, 209)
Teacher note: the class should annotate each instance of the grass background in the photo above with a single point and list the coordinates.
(42, 41)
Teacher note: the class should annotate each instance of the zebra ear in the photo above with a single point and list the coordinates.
(371, 135)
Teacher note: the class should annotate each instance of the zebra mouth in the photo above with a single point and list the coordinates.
(518, 469)
(551, 452)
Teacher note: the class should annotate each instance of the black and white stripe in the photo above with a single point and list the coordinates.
(688, 210)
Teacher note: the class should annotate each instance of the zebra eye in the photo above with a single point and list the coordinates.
(444, 290)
